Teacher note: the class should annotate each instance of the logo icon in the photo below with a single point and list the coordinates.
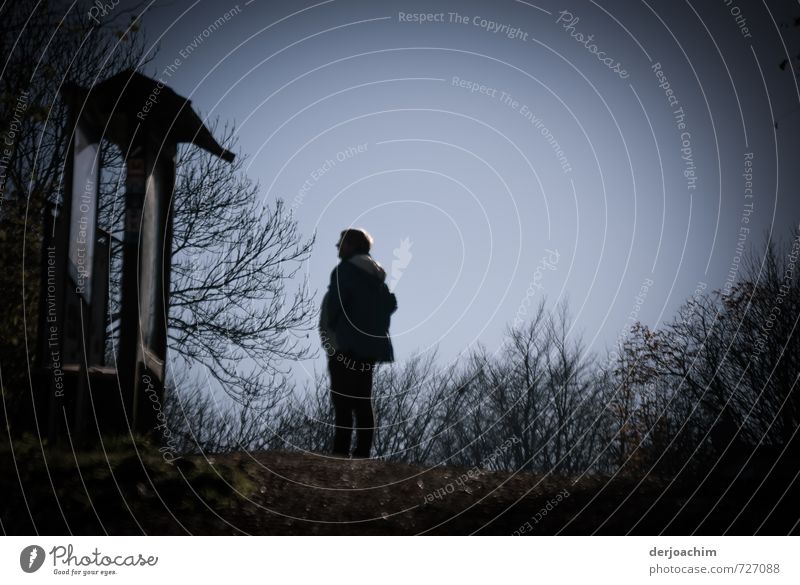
(31, 558)
(402, 258)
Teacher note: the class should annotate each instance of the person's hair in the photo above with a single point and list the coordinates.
(358, 238)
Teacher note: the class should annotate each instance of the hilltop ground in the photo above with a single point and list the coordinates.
(276, 492)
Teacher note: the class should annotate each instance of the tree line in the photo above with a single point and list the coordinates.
(715, 387)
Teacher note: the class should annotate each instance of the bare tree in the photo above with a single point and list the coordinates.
(231, 307)
(537, 396)
(722, 373)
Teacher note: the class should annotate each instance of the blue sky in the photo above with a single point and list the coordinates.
(502, 162)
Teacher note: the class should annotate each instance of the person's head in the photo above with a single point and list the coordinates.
(354, 241)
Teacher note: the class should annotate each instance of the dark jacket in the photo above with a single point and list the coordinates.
(357, 310)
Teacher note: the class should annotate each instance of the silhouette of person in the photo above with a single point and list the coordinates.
(354, 327)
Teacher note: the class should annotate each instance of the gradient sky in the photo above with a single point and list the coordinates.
(472, 180)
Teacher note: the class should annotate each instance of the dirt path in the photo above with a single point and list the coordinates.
(134, 491)
(314, 494)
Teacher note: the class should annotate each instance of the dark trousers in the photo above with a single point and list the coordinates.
(351, 393)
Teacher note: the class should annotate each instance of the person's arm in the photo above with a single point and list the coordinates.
(323, 313)
(325, 332)
(338, 296)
